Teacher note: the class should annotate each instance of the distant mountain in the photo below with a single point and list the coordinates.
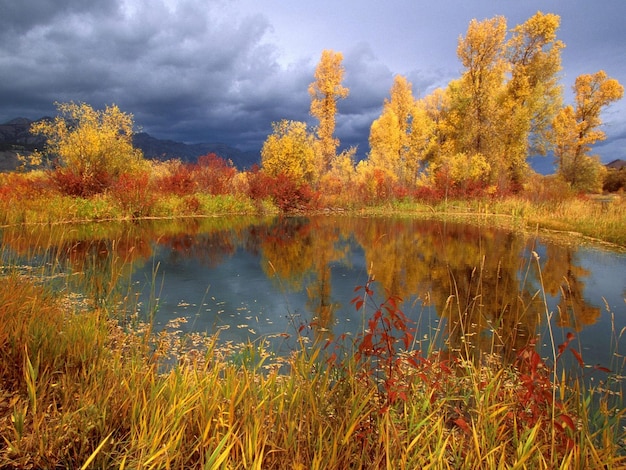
(15, 137)
(158, 149)
(618, 164)
(15, 134)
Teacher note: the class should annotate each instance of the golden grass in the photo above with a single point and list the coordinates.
(598, 218)
(80, 389)
(546, 203)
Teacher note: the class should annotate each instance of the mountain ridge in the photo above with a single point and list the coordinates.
(15, 137)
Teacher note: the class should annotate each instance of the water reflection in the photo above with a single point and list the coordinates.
(484, 286)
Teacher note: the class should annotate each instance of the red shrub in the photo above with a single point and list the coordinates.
(191, 205)
(291, 196)
(179, 182)
(133, 194)
(288, 195)
(400, 191)
(428, 194)
(452, 189)
(76, 184)
(213, 174)
(383, 185)
(258, 184)
(22, 186)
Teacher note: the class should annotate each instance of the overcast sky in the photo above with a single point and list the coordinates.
(224, 70)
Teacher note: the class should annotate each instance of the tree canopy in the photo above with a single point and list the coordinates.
(576, 129)
(92, 145)
(325, 91)
(289, 150)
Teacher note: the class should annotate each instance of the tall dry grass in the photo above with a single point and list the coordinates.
(79, 389)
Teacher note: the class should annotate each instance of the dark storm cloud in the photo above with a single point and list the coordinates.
(368, 80)
(224, 70)
(186, 71)
(23, 15)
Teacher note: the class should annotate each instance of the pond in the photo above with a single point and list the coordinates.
(468, 290)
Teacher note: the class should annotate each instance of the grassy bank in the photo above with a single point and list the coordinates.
(599, 218)
(82, 390)
(602, 219)
(172, 190)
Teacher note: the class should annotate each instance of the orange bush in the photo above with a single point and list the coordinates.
(213, 174)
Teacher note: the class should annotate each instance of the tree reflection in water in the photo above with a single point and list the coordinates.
(482, 282)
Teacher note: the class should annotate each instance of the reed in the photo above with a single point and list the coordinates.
(84, 387)
(599, 218)
(169, 190)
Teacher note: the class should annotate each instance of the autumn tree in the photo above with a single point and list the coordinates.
(289, 150)
(532, 95)
(91, 146)
(481, 52)
(501, 107)
(399, 138)
(325, 91)
(437, 107)
(576, 129)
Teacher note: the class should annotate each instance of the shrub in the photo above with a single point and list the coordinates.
(213, 174)
(374, 184)
(177, 180)
(287, 194)
(91, 147)
(191, 205)
(133, 194)
(428, 194)
(258, 184)
(552, 188)
(78, 184)
(614, 180)
(23, 186)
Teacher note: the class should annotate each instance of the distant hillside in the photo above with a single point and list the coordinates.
(15, 138)
(16, 134)
(158, 149)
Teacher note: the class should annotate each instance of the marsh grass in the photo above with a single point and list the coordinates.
(86, 384)
(595, 217)
(545, 203)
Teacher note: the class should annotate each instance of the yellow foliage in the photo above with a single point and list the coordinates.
(90, 142)
(504, 102)
(290, 150)
(325, 91)
(401, 138)
(575, 130)
(465, 167)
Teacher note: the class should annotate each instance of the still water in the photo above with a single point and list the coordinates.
(468, 289)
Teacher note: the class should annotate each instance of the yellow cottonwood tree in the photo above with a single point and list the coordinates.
(535, 57)
(533, 94)
(481, 52)
(502, 105)
(92, 144)
(437, 107)
(396, 136)
(576, 129)
(290, 150)
(325, 91)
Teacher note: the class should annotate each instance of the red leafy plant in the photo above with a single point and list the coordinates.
(287, 194)
(80, 184)
(384, 348)
(214, 175)
(133, 194)
(538, 401)
(178, 181)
